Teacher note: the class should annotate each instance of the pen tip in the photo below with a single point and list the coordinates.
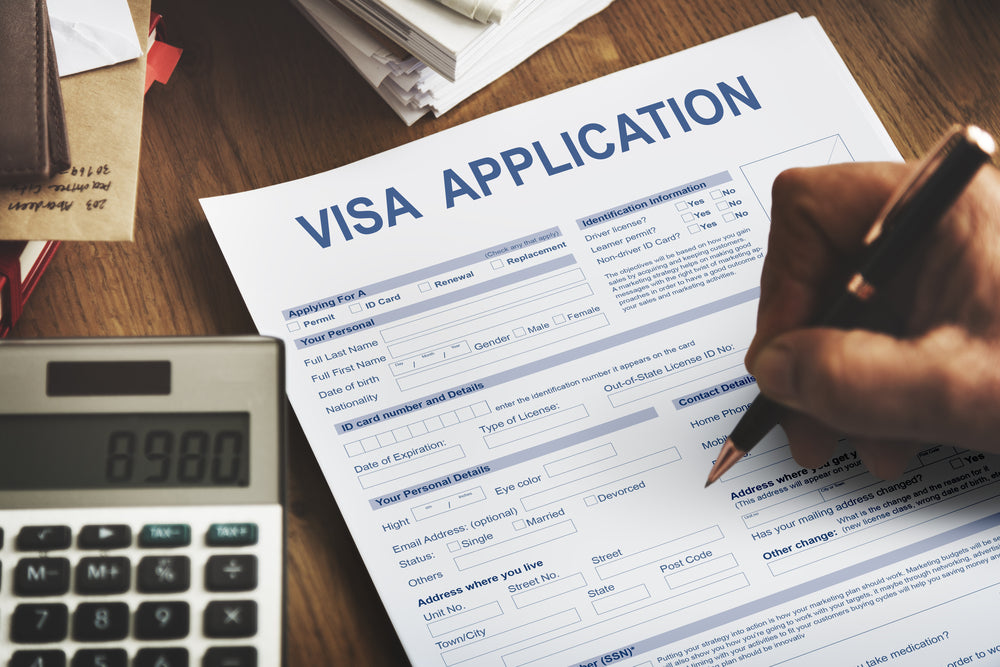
(728, 457)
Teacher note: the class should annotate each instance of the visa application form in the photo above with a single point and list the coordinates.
(516, 347)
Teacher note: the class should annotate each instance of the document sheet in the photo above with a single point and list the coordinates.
(516, 348)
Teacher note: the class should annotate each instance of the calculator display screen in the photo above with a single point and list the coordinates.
(105, 451)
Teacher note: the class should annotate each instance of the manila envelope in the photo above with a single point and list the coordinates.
(94, 200)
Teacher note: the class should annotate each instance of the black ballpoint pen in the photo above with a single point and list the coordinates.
(913, 211)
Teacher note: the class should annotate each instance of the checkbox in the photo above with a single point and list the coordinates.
(424, 287)
(717, 194)
(558, 319)
(693, 229)
(519, 524)
(687, 217)
(590, 501)
(682, 206)
(519, 332)
(957, 463)
(728, 217)
(722, 205)
(454, 546)
(355, 307)
(496, 264)
(294, 326)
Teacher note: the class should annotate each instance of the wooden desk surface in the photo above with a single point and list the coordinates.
(259, 97)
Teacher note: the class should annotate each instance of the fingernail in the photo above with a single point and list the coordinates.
(774, 370)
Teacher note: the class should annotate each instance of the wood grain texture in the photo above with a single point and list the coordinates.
(259, 97)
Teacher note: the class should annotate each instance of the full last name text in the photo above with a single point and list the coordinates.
(648, 124)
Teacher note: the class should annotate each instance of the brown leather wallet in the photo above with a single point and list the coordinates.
(33, 142)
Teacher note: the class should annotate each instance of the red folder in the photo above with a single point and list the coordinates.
(21, 265)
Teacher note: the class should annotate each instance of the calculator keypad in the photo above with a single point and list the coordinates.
(41, 576)
(150, 593)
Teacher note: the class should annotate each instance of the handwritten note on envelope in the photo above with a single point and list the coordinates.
(94, 200)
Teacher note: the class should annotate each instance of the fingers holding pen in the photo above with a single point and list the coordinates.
(940, 388)
(819, 219)
(813, 444)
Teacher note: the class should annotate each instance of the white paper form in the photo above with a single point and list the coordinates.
(516, 346)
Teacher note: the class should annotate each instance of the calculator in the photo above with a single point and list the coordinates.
(142, 502)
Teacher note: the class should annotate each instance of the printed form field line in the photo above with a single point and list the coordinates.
(655, 386)
(880, 530)
(536, 426)
(504, 297)
(411, 466)
(501, 353)
(416, 429)
(448, 503)
(580, 460)
(600, 479)
(660, 552)
(502, 462)
(547, 591)
(590, 348)
(542, 652)
(702, 570)
(615, 601)
(464, 619)
(514, 545)
(424, 273)
(777, 507)
(831, 577)
(757, 461)
(508, 638)
(408, 354)
(361, 321)
(781, 509)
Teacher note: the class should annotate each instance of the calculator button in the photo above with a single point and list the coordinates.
(161, 657)
(162, 620)
(231, 573)
(231, 618)
(230, 656)
(103, 575)
(44, 538)
(41, 576)
(231, 534)
(100, 657)
(104, 537)
(100, 621)
(165, 535)
(38, 659)
(164, 574)
(39, 623)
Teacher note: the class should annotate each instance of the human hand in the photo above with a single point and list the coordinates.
(937, 381)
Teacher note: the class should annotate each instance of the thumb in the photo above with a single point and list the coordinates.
(943, 387)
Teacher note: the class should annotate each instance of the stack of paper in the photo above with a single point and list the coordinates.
(452, 56)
